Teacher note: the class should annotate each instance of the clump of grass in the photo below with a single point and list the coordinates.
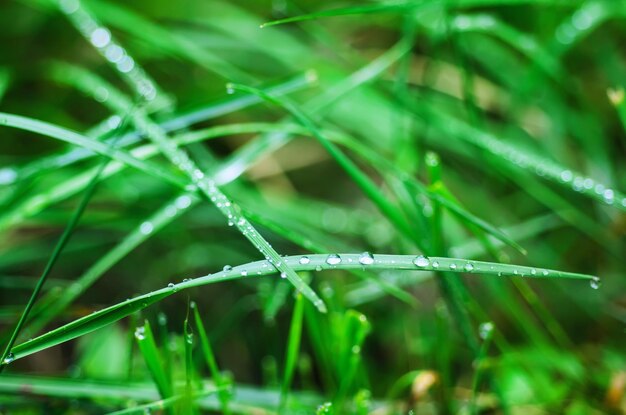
(466, 129)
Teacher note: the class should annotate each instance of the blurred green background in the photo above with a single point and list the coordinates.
(429, 88)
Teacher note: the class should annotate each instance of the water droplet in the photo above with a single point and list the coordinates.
(595, 283)
(533, 271)
(545, 273)
(126, 64)
(283, 275)
(170, 285)
(366, 258)
(333, 259)
(230, 89)
(100, 37)
(318, 268)
(114, 53)
(356, 349)
(227, 268)
(435, 264)
(183, 202)
(69, 6)
(140, 333)
(485, 329)
(567, 175)
(8, 359)
(453, 266)
(7, 175)
(244, 273)
(304, 260)
(146, 228)
(469, 267)
(421, 261)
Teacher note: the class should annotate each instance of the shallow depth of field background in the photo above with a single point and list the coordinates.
(544, 77)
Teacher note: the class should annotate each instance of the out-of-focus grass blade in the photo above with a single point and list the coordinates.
(486, 334)
(292, 351)
(221, 382)
(352, 332)
(399, 6)
(59, 133)
(153, 359)
(5, 80)
(312, 262)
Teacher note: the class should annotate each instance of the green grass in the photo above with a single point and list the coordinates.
(294, 207)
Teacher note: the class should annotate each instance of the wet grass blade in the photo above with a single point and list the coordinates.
(154, 361)
(312, 262)
(221, 382)
(293, 349)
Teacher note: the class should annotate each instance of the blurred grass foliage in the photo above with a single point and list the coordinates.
(143, 142)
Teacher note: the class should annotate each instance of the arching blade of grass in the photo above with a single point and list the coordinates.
(59, 133)
(292, 351)
(400, 6)
(154, 362)
(58, 249)
(118, 311)
(221, 382)
(171, 211)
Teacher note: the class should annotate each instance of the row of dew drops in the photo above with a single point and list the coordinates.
(420, 261)
(101, 38)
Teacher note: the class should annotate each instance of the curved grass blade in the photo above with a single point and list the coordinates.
(315, 262)
(58, 249)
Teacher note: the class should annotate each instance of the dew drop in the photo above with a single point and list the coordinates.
(435, 264)
(183, 202)
(8, 359)
(485, 329)
(100, 37)
(304, 260)
(140, 333)
(356, 349)
(227, 268)
(229, 89)
(366, 258)
(244, 273)
(421, 261)
(283, 275)
(595, 283)
(469, 267)
(333, 259)
(318, 268)
(533, 271)
(146, 228)
(453, 266)
(170, 285)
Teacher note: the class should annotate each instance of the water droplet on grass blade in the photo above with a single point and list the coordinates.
(8, 359)
(227, 268)
(170, 285)
(283, 275)
(333, 259)
(140, 333)
(595, 283)
(366, 258)
(469, 267)
(304, 260)
(485, 329)
(146, 228)
(453, 266)
(421, 261)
